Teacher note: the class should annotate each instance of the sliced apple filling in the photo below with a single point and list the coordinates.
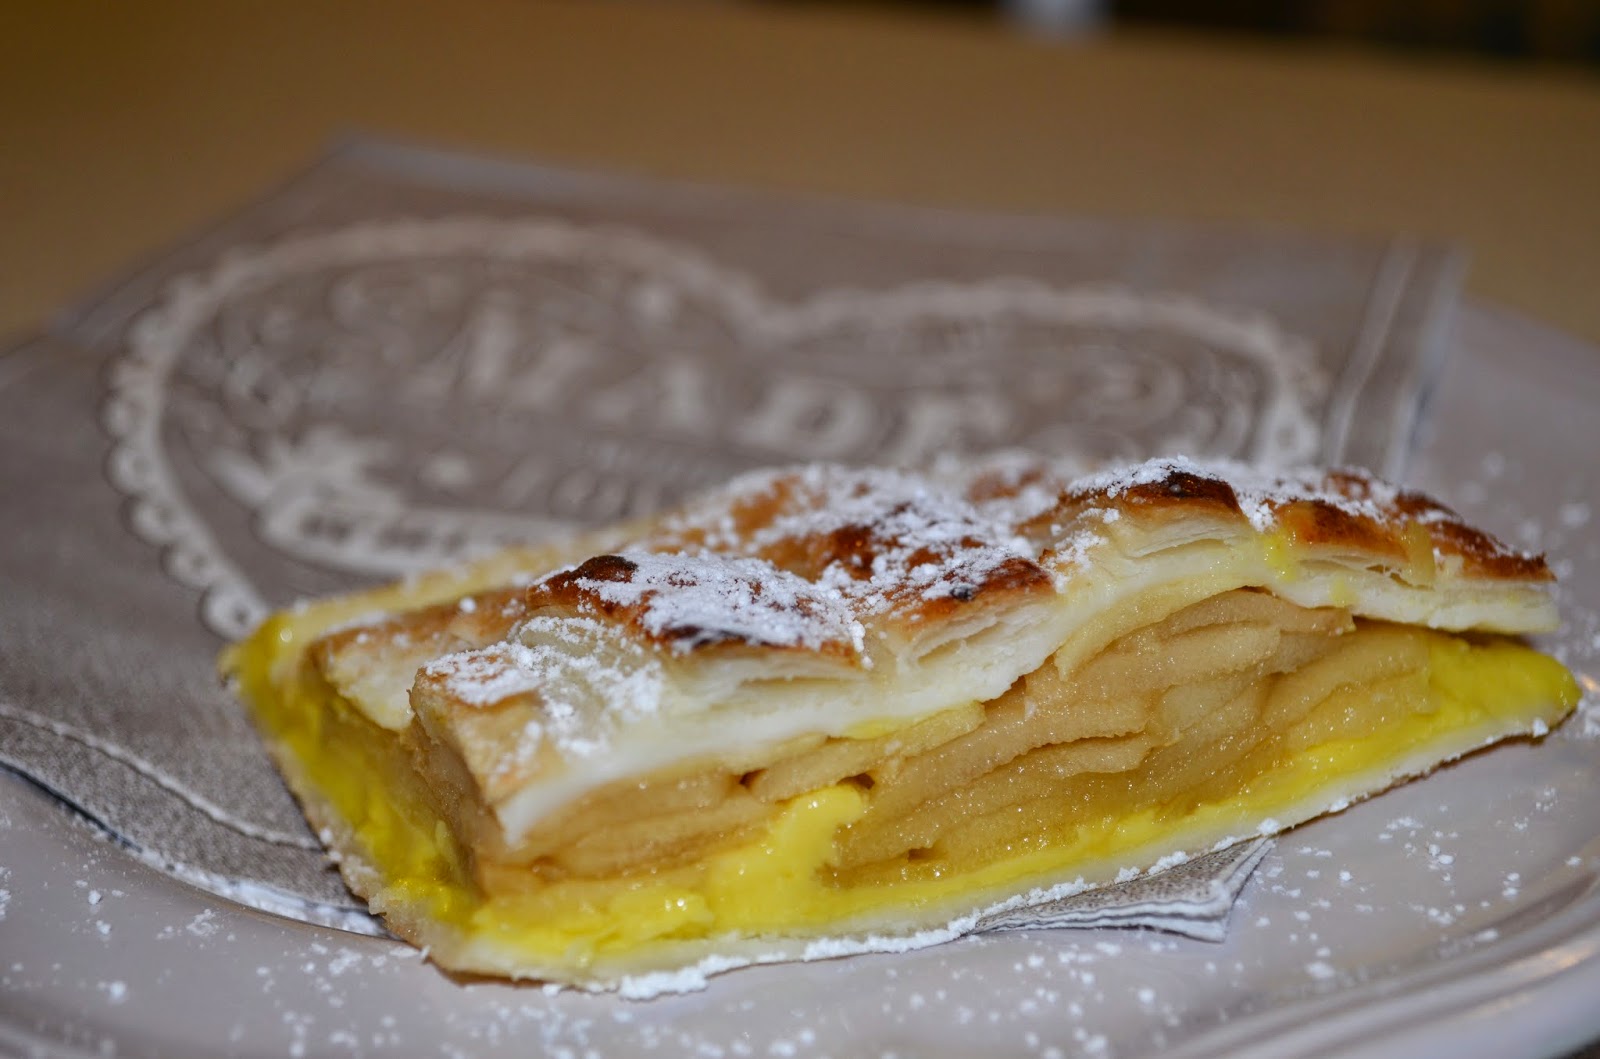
(748, 738)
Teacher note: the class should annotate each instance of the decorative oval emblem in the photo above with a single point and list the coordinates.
(391, 396)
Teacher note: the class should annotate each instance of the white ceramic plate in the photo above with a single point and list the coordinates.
(1457, 916)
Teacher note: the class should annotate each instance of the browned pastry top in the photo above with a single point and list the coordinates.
(826, 573)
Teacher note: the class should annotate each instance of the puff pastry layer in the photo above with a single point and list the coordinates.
(825, 709)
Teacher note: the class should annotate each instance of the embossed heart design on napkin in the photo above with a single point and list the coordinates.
(537, 375)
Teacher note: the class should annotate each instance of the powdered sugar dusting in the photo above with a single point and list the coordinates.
(886, 542)
(1260, 493)
(1114, 482)
(492, 674)
(698, 600)
(584, 682)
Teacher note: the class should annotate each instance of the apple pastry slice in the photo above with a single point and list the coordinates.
(825, 710)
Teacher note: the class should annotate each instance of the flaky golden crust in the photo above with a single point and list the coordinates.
(812, 599)
(583, 590)
(852, 527)
(1342, 510)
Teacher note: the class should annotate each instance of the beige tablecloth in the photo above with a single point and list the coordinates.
(125, 126)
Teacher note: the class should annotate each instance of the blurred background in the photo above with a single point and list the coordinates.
(1475, 122)
(1561, 30)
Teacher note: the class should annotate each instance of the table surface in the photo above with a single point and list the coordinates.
(124, 126)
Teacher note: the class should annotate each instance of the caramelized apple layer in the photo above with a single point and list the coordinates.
(1164, 709)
